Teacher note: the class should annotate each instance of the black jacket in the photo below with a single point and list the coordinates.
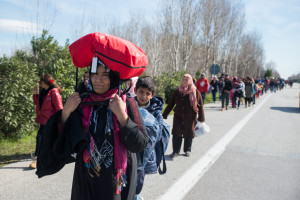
(227, 85)
(56, 148)
(214, 85)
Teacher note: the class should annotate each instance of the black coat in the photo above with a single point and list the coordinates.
(58, 144)
(214, 85)
(82, 89)
(227, 86)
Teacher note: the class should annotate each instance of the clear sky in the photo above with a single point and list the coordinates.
(278, 22)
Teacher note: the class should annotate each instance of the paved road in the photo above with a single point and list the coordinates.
(262, 161)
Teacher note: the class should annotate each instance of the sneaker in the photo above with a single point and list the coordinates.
(174, 155)
(187, 154)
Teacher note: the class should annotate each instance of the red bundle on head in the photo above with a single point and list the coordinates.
(116, 53)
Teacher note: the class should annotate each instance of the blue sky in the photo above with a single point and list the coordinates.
(277, 21)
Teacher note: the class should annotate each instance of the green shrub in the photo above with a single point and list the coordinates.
(197, 74)
(21, 72)
(167, 83)
(17, 110)
(50, 58)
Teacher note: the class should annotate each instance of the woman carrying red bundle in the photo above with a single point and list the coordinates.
(103, 131)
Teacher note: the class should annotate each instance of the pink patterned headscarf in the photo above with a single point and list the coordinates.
(190, 89)
(120, 151)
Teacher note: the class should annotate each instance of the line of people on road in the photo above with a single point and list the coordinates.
(147, 142)
(238, 90)
(117, 137)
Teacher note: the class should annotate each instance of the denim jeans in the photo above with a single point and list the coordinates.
(203, 97)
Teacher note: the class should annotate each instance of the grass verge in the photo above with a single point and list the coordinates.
(12, 150)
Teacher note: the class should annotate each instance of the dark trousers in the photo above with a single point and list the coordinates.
(39, 139)
(177, 140)
(214, 96)
(225, 96)
(238, 95)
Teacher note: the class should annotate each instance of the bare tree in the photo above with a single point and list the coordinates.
(42, 17)
(79, 26)
(219, 19)
(179, 25)
(152, 44)
(251, 56)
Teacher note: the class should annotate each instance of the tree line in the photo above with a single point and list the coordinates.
(192, 35)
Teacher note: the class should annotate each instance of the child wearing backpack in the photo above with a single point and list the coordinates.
(158, 131)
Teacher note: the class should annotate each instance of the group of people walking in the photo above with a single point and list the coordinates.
(117, 137)
(90, 172)
(90, 123)
(240, 90)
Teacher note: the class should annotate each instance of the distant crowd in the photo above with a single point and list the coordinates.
(238, 90)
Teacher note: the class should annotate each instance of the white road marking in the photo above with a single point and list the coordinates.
(186, 182)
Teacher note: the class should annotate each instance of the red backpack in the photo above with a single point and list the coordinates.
(116, 53)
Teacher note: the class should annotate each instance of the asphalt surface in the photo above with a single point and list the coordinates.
(261, 162)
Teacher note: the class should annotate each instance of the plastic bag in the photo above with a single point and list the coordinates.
(201, 129)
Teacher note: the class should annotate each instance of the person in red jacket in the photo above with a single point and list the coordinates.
(202, 85)
(47, 102)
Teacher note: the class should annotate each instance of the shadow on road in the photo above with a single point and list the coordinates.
(24, 168)
(287, 109)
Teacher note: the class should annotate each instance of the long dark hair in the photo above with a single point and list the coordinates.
(48, 79)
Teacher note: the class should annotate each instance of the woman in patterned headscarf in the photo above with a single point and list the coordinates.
(101, 130)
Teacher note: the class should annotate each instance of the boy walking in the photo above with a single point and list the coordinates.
(145, 96)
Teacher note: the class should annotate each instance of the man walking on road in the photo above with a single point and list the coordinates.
(202, 85)
(226, 91)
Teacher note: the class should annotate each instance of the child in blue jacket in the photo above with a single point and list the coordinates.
(151, 107)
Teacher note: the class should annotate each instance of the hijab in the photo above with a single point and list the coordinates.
(131, 85)
(190, 89)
